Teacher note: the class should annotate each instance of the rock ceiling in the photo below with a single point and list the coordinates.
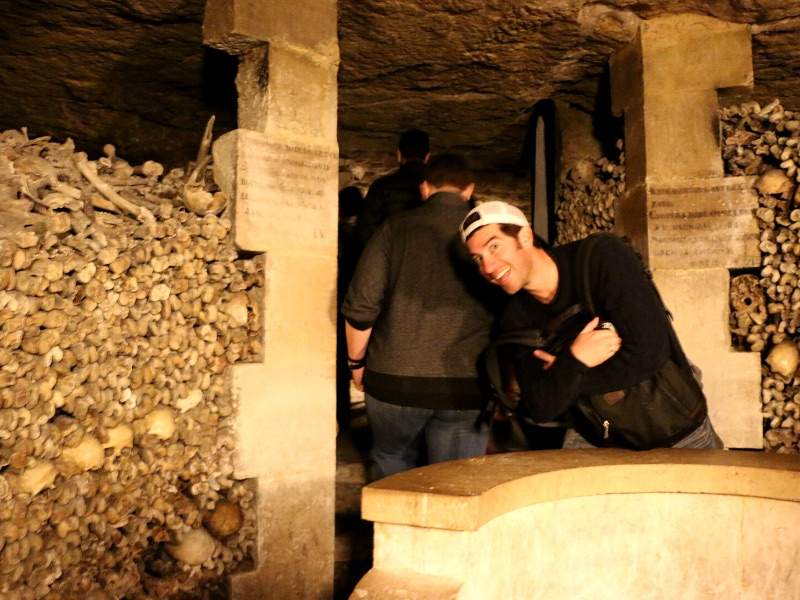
(135, 73)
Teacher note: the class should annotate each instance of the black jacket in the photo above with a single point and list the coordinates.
(389, 195)
(623, 295)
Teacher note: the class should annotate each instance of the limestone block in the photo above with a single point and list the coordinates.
(287, 91)
(767, 574)
(292, 456)
(680, 212)
(631, 546)
(237, 25)
(297, 378)
(464, 495)
(285, 191)
(698, 299)
(295, 537)
(601, 524)
(682, 135)
(380, 584)
(285, 427)
(303, 93)
(694, 52)
(665, 82)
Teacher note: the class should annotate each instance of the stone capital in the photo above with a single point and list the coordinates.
(236, 26)
(666, 82)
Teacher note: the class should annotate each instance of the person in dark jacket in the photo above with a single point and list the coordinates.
(399, 190)
(542, 284)
(417, 318)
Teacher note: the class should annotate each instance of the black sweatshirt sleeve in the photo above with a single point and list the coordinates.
(548, 394)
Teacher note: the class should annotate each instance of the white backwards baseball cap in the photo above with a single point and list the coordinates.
(487, 213)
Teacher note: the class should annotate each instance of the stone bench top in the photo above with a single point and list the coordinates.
(463, 495)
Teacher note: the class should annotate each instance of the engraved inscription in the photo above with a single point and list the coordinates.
(286, 190)
(690, 190)
(703, 227)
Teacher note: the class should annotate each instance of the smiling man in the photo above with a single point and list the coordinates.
(634, 344)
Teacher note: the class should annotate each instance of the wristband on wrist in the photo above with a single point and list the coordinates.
(354, 364)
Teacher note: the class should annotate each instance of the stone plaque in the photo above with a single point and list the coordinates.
(699, 224)
(284, 191)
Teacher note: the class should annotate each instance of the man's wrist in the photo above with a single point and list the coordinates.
(356, 363)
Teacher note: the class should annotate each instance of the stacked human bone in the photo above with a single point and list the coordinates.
(120, 310)
(587, 197)
(765, 142)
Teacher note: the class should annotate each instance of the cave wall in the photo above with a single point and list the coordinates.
(135, 72)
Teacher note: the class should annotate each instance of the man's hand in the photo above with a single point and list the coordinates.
(595, 346)
(358, 378)
(547, 358)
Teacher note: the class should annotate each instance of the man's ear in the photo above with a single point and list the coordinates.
(466, 193)
(426, 159)
(399, 156)
(425, 190)
(525, 237)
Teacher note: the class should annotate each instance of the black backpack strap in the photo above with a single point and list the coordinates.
(582, 271)
(559, 320)
(581, 278)
(584, 291)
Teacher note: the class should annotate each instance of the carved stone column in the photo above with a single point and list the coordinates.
(281, 167)
(690, 222)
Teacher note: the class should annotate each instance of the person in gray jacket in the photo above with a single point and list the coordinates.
(417, 318)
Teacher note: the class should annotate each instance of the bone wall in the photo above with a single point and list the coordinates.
(588, 195)
(765, 307)
(116, 416)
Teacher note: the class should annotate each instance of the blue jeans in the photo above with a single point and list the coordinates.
(703, 437)
(396, 431)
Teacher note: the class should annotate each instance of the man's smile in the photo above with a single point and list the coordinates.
(500, 274)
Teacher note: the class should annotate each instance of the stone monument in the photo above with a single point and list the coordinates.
(281, 169)
(691, 223)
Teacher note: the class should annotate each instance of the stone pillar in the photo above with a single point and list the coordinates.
(691, 223)
(281, 169)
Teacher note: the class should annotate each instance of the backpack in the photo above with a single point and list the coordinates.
(656, 412)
